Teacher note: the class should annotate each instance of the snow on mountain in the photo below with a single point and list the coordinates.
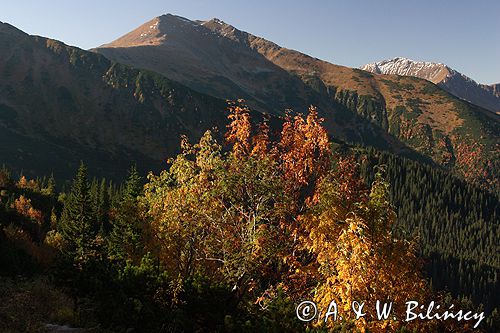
(434, 72)
(447, 78)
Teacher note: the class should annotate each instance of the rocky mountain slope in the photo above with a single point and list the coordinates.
(218, 59)
(198, 56)
(494, 89)
(190, 53)
(60, 105)
(456, 83)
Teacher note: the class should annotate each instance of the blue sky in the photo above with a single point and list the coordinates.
(463, 34)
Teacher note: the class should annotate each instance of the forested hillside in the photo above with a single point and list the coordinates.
(359, 107)
(457, 225)
(192, 177)
(233, 235)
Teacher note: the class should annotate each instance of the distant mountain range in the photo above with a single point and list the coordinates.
(456, 83)
(60, 104)
(131, 99)
(216, 58)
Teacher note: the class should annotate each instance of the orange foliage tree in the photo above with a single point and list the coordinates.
(281, 214)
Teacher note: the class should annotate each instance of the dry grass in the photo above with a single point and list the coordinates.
(27, 305)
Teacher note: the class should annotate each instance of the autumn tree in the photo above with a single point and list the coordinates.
(304, 154)
(254, 202)
(219, 214)
(23, 207)
(239, 130)
(281, 216)
(358, 258)
(180, 206)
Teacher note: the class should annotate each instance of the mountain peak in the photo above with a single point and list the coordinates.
(216, 24)
(447, 78)
(408, 60)
(155, 31)
(434, 72)
(171, 18)
(226, 30)
(217, 21)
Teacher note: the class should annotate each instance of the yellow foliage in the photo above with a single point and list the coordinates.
(358, 258)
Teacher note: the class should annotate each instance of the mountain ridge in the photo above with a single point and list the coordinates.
(82, 99)
(192, 53)
(451, 80)
(61, 103)
(190, 46)
(413, 110)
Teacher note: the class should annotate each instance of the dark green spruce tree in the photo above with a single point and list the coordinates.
(100, 204)
(125, 239)
(77, 225)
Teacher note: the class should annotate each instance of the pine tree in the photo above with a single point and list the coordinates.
(103, 206)
(125, 237)
(133, 185)
(77, 226)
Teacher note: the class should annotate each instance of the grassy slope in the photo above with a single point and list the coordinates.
(417, 112)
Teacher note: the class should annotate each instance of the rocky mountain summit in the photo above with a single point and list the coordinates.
(456, 83)
(131, 99)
